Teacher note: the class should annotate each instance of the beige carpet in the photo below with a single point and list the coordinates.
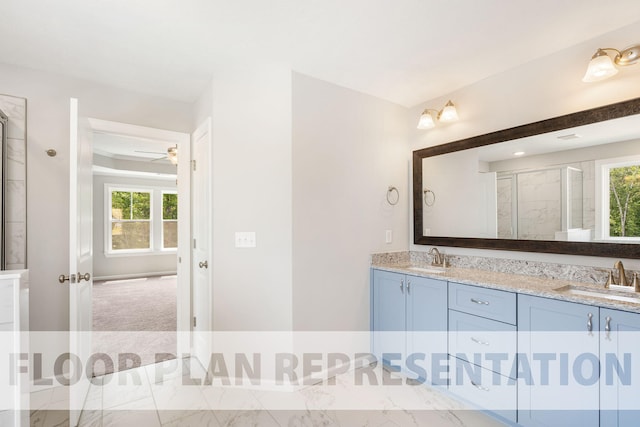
(136, 316)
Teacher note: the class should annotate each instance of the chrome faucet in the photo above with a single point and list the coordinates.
(438, 258)
(622, 277)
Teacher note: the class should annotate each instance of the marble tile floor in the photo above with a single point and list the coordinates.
(166, 394)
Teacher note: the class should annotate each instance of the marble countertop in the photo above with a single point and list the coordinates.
(542, 287)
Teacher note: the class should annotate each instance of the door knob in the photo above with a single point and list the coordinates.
(85, 277)
(70, 278)
(204, 264)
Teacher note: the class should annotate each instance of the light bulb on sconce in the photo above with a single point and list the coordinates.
(602, 66)
(172, 154)
(446, 115)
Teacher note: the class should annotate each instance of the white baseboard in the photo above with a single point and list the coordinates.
(135, 275)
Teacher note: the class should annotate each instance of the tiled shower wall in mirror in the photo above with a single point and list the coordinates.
(16, 182)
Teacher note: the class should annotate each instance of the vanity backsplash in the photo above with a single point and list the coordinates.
(576, 273)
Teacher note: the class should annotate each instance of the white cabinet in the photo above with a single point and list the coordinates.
(14, 323)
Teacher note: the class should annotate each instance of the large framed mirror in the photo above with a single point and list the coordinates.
(567, 185)
(4, 121)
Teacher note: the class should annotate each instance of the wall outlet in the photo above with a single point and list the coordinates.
(245, 239)
(388, 236)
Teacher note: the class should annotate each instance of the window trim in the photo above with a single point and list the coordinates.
(602, 168)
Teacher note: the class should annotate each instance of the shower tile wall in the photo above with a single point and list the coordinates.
(539, 204)
(16, 212)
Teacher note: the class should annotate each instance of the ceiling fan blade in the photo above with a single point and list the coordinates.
(159, 158)
(150, 152)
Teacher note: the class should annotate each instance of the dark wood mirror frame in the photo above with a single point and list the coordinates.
(615, 250)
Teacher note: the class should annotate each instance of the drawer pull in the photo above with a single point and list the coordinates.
(589, 323)
(479, 387)
(607, 328)
(477, 341)
(477, 301)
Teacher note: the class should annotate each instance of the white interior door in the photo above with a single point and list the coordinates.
(80, 251)
(201, 260)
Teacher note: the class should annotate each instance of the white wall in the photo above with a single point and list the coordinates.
(538, 90)
(348, 148)
(251, 190)
(48, 177)
(129, 265)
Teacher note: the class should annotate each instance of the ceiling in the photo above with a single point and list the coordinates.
(405, 51)
(133, 148)
(604, 132)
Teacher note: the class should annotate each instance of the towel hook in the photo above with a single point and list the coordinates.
(429, 201)
(393, 201)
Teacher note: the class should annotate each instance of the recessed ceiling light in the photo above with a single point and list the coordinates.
(518, 153)
(570, 136)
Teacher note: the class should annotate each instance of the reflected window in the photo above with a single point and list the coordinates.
(620, 193)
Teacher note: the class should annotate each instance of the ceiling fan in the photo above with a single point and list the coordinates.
(171, 154)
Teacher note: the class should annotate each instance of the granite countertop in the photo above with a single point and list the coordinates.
(530, 285)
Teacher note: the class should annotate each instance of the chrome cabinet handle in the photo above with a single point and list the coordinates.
(408, 285)
(70, 278)
(479, 387)
(401, 285)
(85, 277)
(477, 341)
(590, 322)
(607, 328)
(477, 301)
(204, 264)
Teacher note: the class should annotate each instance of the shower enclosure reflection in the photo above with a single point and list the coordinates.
(544, 204)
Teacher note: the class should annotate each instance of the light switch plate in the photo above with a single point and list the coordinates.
(245, 239)
(389, 236)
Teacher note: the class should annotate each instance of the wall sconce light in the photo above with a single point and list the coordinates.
(447, 114)
(172, 154)
(602, 66)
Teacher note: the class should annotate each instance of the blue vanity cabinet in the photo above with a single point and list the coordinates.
(409, 320)
(619, 388)
(388, 316)
(427, 327)
(557, 364)
(482, 347)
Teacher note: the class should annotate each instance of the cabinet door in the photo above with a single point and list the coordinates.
(427, 329)
(388, 317)
(619, 384)
(557, 363)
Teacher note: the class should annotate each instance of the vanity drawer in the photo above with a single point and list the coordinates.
(480, 341)
(485, 389)
(489, 303)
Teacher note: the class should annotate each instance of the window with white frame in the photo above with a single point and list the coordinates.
(130, 223)
(620, 199)
(169, 220)
(140, 219)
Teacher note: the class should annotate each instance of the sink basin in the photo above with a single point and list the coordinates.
(621, 293)
(436, 270)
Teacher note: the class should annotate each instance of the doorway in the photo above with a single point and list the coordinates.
(141, 233)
